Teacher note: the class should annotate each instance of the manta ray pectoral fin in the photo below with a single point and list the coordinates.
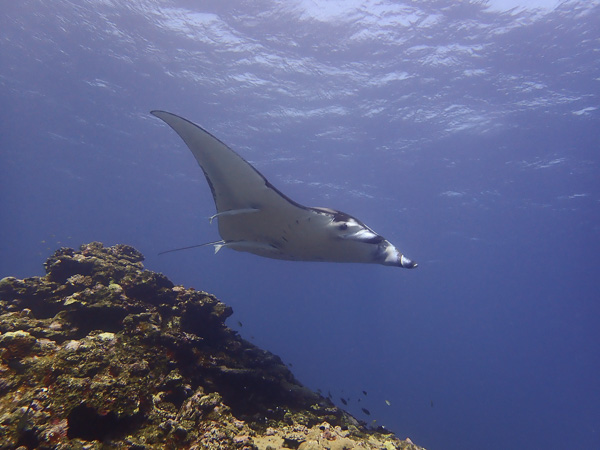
(233, 212)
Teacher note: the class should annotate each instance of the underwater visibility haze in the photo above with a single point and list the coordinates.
(466, 133)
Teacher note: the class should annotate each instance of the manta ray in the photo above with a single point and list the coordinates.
(253, 216)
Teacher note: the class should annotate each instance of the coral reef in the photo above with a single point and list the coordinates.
(100, 353)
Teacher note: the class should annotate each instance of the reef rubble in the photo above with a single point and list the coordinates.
(101, 353)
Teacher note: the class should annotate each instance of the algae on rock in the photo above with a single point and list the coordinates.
(100, 353)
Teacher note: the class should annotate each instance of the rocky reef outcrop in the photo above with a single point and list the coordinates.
(100, 353)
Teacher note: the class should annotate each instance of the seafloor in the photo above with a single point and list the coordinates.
(100, 353)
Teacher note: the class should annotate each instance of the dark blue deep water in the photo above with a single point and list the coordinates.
(467, 133)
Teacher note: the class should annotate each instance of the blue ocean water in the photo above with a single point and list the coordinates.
(467, 133)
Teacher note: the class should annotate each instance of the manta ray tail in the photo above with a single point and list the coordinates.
(217, 244)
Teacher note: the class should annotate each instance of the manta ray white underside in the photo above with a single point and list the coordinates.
(255, 217)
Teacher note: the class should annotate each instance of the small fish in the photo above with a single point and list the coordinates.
(432, 403)
(364, 392)
(387, 402)
(240, 324)
(366, 411)
(343, 401)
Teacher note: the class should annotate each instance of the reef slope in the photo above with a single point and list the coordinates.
(100, 353)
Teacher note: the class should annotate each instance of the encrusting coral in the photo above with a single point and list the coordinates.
(100, 353)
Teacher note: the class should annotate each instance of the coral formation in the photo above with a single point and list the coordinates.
(100, 353)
